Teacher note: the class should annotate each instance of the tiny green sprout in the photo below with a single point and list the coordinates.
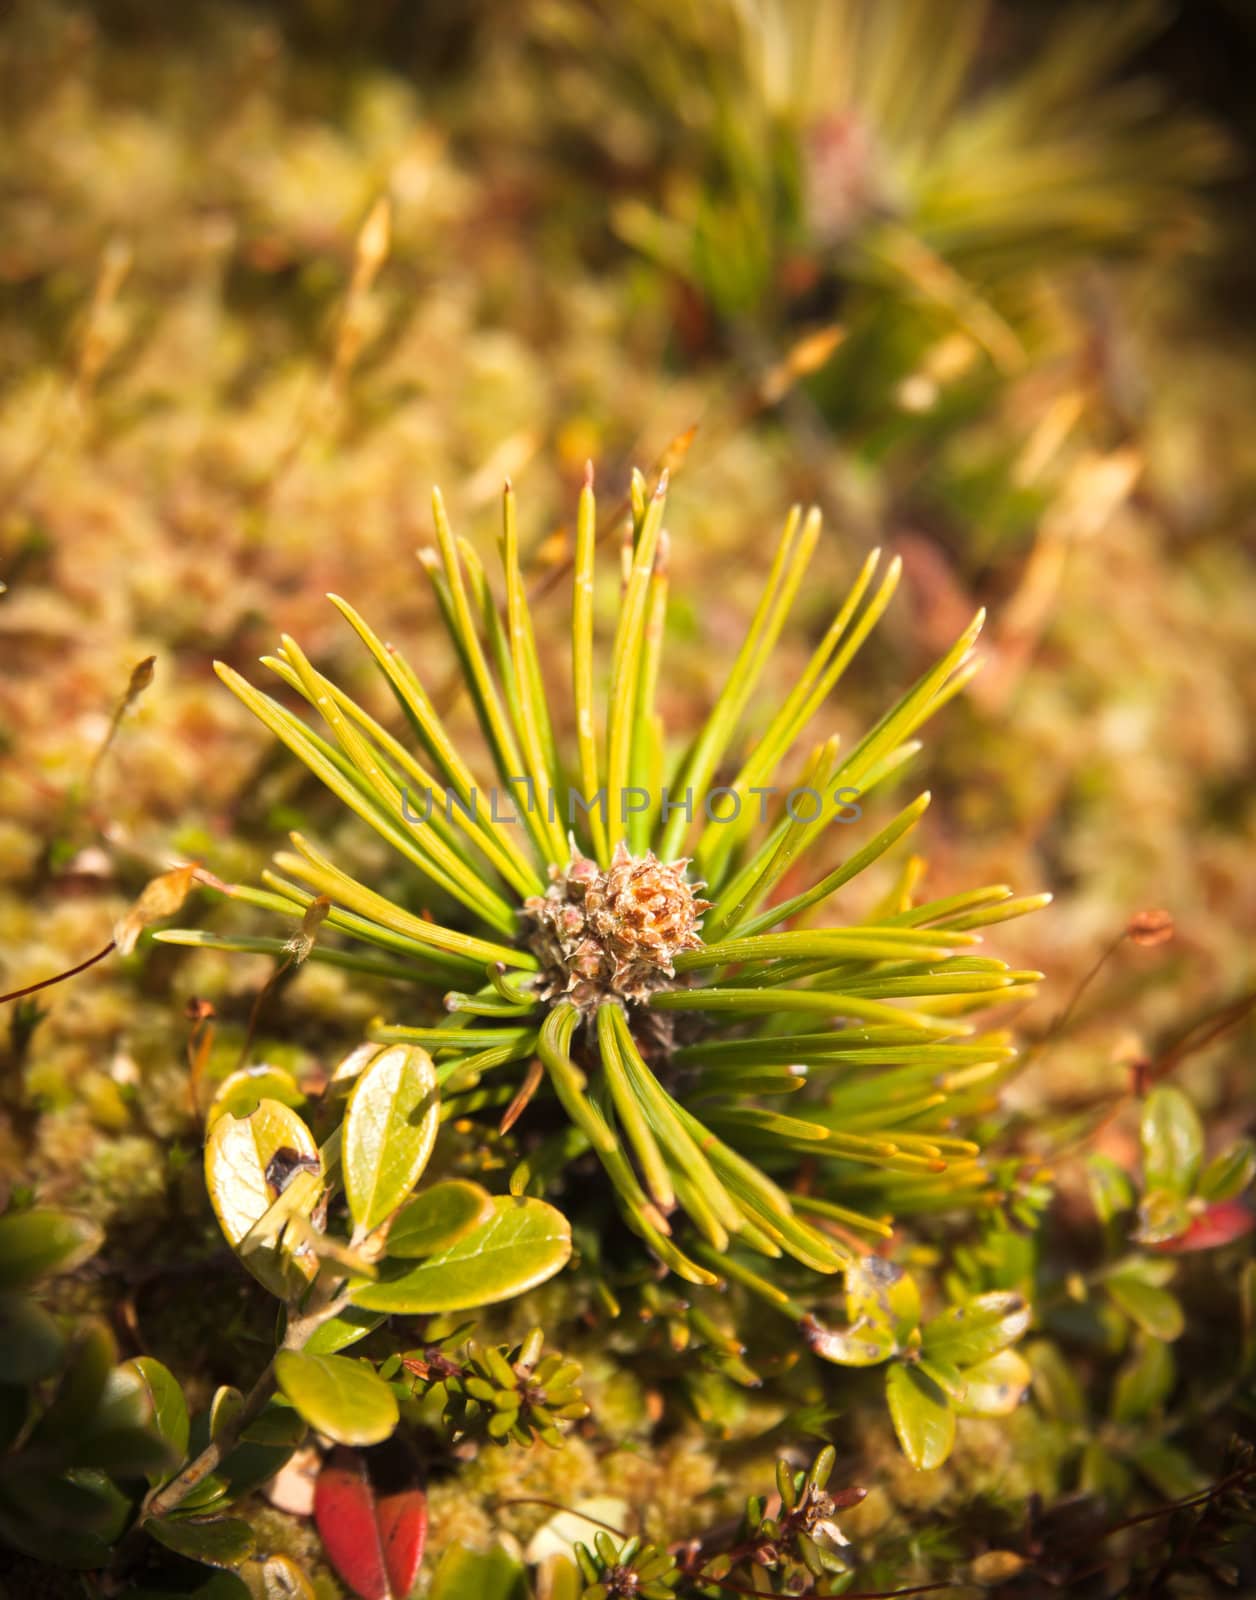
(499, 1393)
(804, 1531)
(628, 1570)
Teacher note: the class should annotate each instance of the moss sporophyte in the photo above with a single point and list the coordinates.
(630, 975)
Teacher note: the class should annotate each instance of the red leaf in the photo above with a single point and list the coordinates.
(374, 1545)
(1220, 1223)
(403, 1524)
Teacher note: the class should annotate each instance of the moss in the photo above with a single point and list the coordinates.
(123, 1180)
(184, 471)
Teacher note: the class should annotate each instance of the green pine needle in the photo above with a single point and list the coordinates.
(665, 1033)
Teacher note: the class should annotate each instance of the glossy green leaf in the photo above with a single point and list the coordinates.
(1247, 1315)
(996, 1386)
(169, 1408)
(522, 1244)
(1162, 1214)
(438, 1218)
(978, 1329)
(224, 1409)
(62, 1547)
(30, 1339)
(389, 1129)
(1173, 1141)
(122, 1434)
(947, 1376)
(849, 1347)
(210, 1495)
(215, 1541)
(1111, 1188)
(250, 1163)
(1144, 1382)
(338, 1333)
(882, 1308)
(1056, 1390)
(82, 1386)
(1155, 1310)
(252, 1464)
(277, 1426)
(339, 1397)
(882, 1295)
(1170, 1470)
(241, 1092)
(1156, 1270)
(84, 1499)
(34, 1244)
(922, 1415)
(1229, 1173)
(1103, 1476)
(491, 1575)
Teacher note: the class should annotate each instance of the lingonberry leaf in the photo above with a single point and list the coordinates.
(1172, 1140)
(389, 1129)
(996, 1386)
(438, 1218)
(250, 1164)
(1217, 1225)
(978, 1329)
(216, 1541)
(337, 1396)
(1155, 1310)
(338, 1333)
(32, 1342)
(169, 1408)
(522, 1244)
(375, 1543)
(922, 1415)
(242, 1091)
(36, 1243)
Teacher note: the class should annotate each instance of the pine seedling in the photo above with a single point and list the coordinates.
(624, 946)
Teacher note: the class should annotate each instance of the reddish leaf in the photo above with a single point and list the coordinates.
(374, 1545)
(1220, 1223)
(402, 1521)
(344, 1510)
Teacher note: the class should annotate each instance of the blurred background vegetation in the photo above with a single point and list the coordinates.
(975, 278)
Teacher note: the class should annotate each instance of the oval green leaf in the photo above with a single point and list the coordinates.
(1143, 1383)
(82, 1387)
(389, 1129)
(242, 1091)
(36, 1243)
(978, 1329)
(1155, 1310)
(491, 1575)
(341, 1398)
(882, 1301)
(169, 1408)
(224, 1410)
(995, 1388)
(31, 1341)
(1228, 1174)
(522, 1244)
(849, 1347)
(338, 1333)
(1173, 1141)
(438, 1218)
(923, 1419)
(216, 1541)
